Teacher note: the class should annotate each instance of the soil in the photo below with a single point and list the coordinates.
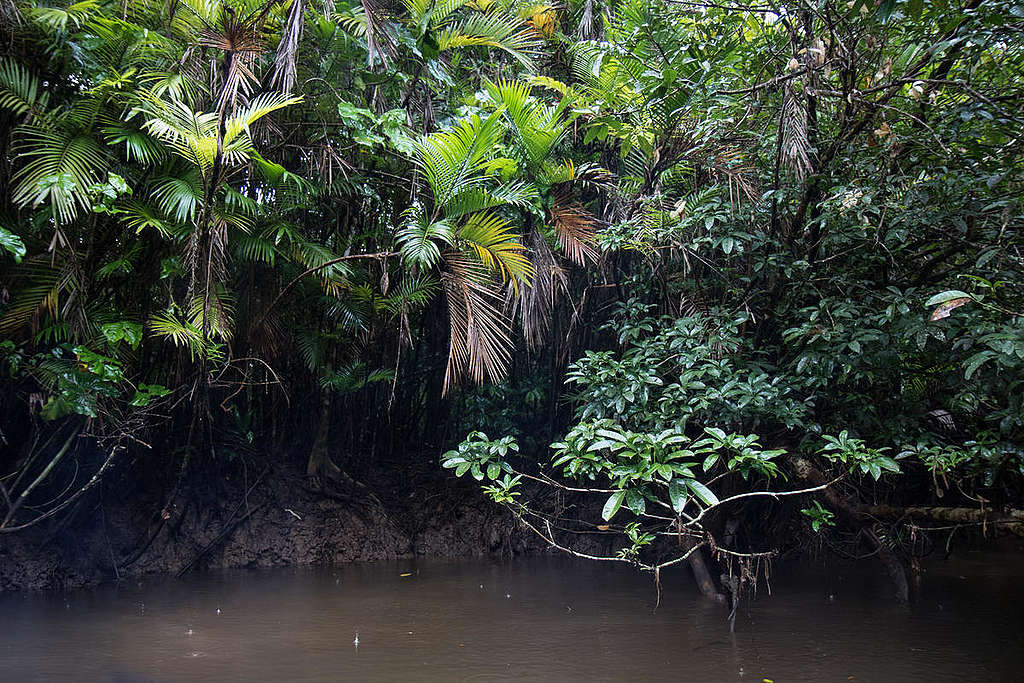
(276, 519)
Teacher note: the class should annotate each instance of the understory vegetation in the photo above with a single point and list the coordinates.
(675, 281)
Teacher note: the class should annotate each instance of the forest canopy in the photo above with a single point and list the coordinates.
(691, 260)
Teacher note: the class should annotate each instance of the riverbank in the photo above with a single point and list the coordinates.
(270, 519)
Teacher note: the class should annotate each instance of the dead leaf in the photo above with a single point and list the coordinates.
(945, 309)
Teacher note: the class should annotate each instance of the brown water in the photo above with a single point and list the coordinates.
(540, 619)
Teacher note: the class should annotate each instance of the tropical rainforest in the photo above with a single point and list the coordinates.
(676, 281)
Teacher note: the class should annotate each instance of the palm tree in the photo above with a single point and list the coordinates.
(538, 133)
(458, 233)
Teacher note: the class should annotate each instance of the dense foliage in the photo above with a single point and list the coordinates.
(716, 256)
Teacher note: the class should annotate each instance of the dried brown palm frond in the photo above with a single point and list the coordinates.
(282, 76)
(739, 177)
(480, 335)
(534, 304)
(241, 41)
(265, 333)
(575, 228)
(589, 28)
(796, 146)
(379, 39)
(593, 176)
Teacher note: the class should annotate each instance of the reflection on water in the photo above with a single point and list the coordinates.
(541, 619)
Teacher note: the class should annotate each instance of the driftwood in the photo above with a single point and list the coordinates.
(947, 516)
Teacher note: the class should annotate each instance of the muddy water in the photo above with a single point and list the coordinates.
(539, 619)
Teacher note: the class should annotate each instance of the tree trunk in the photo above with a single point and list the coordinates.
(893, 564)
(702, 575)
(320, 462)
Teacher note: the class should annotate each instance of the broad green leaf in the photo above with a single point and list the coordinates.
(702, 492)
(948, 295)
(677, 495)
(612, 505)
(635, 502)
(13, 244)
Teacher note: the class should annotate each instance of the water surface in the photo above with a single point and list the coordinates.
(540, 619)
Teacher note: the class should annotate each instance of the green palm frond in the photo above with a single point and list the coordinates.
(460, 158)
(139, 216)
(239, 203)
(554, 173)
(36, 288)
(566, 91)
(180, 197)
(352, 377)
(419, 238)
(138, 145)
(496, 29)
(441, 10)
(519, 193)
(120, 44)
(19, 89)
(227, 215)
(177, 87)
(260, 106)
(193, 134)
(58, 19)
(181, 332)
(214, 314)
(60, 168)
(255, 249)
(315, 256)
(491, 238)
(536, 126)
(417, 9)
(586, 175)
(411, 292)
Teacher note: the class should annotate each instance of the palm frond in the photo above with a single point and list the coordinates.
(139, 216)
(537, 127)
(796, 147)
(575, 229)
(285, 68)
(138, 145)
(19, 89)
(411, 292)
(175, 86)
(180, 197)
(420, 240)
(491, 238)
(534, 305)
(255, 249)
(36, 286)
(213, 313)
(60, 168)
(494, 29)
(58, 19)
(314, 256)
(480, 343)
(519, 193)
(180, 332)
(459, 158)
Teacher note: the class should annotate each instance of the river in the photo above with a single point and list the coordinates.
(537, 619)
